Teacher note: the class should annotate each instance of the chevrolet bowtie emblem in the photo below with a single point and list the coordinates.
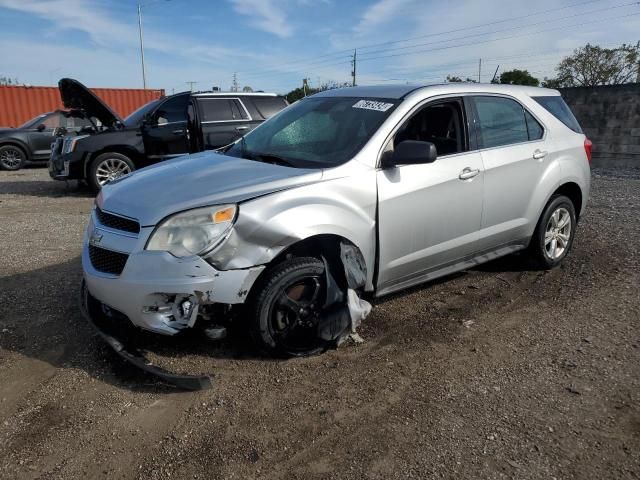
(96, 238)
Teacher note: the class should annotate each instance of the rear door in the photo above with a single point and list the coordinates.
(165, 133)
(429, 214)
(511, 141)
(223, 120)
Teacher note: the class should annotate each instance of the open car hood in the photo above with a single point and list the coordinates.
(76, 96)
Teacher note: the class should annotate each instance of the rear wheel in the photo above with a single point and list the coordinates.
(11, 157)
(554, 233)
(108, 167)
(286, 308)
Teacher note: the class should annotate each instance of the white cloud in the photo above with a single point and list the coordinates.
(77, 15)
(265, 15)
(379, 13)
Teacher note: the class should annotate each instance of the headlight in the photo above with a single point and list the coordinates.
(69, 143)
(193, 232)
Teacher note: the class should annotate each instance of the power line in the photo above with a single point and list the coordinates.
(501, 38)
(504, 29)
(328, 63)
(477, 42)
(363, 47)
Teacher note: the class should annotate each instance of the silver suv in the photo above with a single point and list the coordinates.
(364, 190)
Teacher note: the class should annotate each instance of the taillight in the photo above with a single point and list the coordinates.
(588, 145)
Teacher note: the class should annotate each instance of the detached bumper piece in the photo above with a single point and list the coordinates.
(93, 312)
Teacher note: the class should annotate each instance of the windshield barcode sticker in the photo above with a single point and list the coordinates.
(373, 105)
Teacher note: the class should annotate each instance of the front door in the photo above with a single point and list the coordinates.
(429, 214)
(42, 135)
(166, 132)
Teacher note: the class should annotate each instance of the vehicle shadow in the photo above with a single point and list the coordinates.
(40, 318)
(46, 188)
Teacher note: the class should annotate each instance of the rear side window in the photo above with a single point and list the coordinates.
(557, 107)
(239, 113)
(501, 120)
(533, 126)
(216, 110)
(269, 106)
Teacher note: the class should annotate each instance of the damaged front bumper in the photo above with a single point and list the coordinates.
(155, 290)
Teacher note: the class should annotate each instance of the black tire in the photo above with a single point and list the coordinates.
(541, 249)
(12, 157)
(274, 327)
(102, 163)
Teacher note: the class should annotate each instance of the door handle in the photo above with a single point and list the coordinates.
(179, 131)
(468, 173)
(539, 154)
(240, 129)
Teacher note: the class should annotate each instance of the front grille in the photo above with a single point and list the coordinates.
(107, 261)
(116, 222)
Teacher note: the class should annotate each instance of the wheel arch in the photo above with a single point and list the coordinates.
(125, 150)
(324, 246)
(573, 191)
(18, 144)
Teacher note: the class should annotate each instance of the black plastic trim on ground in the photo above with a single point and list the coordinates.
(133, 355)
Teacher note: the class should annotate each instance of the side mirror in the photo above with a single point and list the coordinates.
(412, 152)
(41, 127)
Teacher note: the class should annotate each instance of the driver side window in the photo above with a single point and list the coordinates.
(172, 111)
(441, 123)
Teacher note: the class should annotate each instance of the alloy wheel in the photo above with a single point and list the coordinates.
(295, 314)
(557, 233)
(110, 169)
(10, 158)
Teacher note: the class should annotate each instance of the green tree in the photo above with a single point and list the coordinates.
(455, 79)
(298, 93)
(8, 80)
(592, 65)
(551, 83)
(519, 77)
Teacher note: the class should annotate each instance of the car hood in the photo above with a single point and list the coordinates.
(75, 96)
(7, 130)
(207, 178)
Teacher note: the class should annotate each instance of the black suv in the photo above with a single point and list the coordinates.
(165, 128)
(31, 142)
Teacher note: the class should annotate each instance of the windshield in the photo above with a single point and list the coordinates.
(33, 122)
(317, 132)
(134, 119)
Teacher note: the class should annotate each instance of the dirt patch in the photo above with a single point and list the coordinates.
(496, 372)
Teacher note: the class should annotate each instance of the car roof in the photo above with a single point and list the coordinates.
(401, 91)
(234, 94)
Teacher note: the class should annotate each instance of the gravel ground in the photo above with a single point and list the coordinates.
(499, 372)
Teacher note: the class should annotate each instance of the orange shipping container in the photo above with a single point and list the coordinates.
(20, 103)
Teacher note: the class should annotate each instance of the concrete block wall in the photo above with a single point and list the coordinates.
(610, 117)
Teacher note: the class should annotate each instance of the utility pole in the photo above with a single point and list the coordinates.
(191, 84)
(479, 69)
(234, 85)
(144, 75)
(353, 64)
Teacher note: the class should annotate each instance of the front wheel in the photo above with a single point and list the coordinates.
(286, 308)
(554, 233)
(108, 167)
(11, 158)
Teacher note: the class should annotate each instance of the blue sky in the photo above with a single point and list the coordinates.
(273, 44)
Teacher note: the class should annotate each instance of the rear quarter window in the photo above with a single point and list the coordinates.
(269, 106)
(557, 107)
